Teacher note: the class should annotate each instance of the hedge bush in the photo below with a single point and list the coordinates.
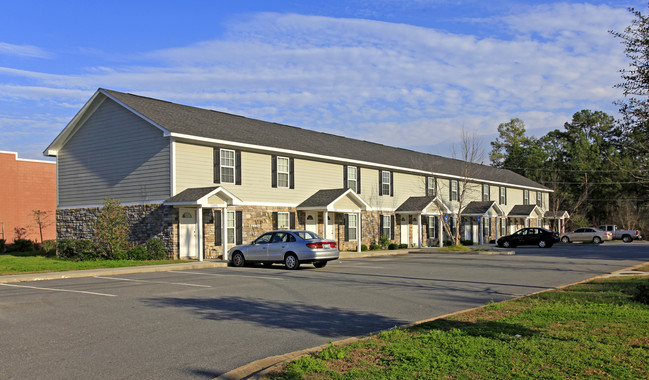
(21, 245)
(363, 247)
(137, 253)
(156, 249)
(77, 250)
(2, 245)
(403, 246)
(393, 246)
(374, 247)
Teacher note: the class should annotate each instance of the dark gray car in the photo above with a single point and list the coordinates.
(291, 248)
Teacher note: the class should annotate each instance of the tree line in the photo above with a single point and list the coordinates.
(597, 166)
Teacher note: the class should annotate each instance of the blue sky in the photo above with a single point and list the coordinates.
(411, 73)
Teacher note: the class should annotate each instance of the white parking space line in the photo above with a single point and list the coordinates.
(153, 282)
(361, 266)
(227, 275)
(60, 290)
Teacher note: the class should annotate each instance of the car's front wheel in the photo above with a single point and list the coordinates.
(597, 240)
(291, 262)
(320, 264)
(565, 240)
(507, 244)
(238, 260)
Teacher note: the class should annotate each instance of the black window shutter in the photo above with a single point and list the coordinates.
(273, 180)
(346, 227)
(344, 176)
(380, 182)
(380, 225)
(217, 227)
(427, 187)
(450, 189)
(392, 184)
(237, 168)
(391, 227)
(239, 220)
(291, 173)
(217, 165)
(274, 220)
(358, 179)
(291, 218)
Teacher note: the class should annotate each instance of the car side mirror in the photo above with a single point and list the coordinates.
(253, 242)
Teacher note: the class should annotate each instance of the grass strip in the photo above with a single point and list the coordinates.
(36, 262)
(598, 329)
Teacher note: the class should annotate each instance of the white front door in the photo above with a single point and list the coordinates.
(415, 233)
(312, 222)
(330, 225)
(188, 233)
(404, 230)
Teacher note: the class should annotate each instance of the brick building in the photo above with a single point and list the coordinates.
(26, 185)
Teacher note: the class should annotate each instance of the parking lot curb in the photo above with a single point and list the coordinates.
(110, 271)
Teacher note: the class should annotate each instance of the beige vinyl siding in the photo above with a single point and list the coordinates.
(515, 196)
(114, 154)
(347, 204)
(194, 168)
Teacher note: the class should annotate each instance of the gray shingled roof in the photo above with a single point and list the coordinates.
(191, 195)
(415, 204)
(478, 207)
(205, 123)
(322, 198)
(522, 210)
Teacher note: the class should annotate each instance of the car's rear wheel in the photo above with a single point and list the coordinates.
(238, 260)
(291, 262)
(565, 240)
(320, 264)
(627, 239)
(543, 244)
(597, 240)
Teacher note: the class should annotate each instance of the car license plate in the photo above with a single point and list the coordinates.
(326, 246)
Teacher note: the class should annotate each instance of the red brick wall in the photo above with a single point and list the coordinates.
(25, 186)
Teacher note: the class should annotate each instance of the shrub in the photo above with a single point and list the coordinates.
(77, 250)
(641, 293)
(137, 253)
(466, 242)
(49, 246)
(120, 254)
(156, 249)
(363, 247)
(21, 245)
(111, 230)
(2, 245)
(403, 246)
(374, 247)
(393, 246)
(384, 241)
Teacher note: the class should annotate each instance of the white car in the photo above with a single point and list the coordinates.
(289, 247)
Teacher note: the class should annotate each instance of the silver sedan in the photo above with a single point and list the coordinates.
(289, 247)
(587, 234)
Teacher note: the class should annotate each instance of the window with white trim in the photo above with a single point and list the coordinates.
(352, 226)
(503, 227)
(455, 193)
(385, 183)
(351, 178)
(526, 197)
(431, 190)
(432, 227)
(282, 172)
(539, 199)
(503, 195)
(227, 165)
(283, 221)
(387, 224)
(486, 192)
(230, 225)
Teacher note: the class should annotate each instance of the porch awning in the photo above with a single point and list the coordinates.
(486, 209)
(215, 196)
(525, 211)
(335, 200)
(424, 206)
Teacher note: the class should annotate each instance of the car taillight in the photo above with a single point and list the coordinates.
(320, 244)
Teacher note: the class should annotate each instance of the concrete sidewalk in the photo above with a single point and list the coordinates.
(490, 250)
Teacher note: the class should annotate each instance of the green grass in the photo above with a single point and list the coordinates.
(35, 262)
(454, 248)
(591, 330)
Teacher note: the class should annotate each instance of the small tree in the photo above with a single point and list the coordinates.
(111, 231)
(42, 219)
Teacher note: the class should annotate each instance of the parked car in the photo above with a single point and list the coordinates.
(291, 248)
(529, 236)
(626, 236)
(584, 234)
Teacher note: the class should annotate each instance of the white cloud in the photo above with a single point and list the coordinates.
(23, 50)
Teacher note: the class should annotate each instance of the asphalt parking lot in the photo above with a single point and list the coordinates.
(203, 323)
